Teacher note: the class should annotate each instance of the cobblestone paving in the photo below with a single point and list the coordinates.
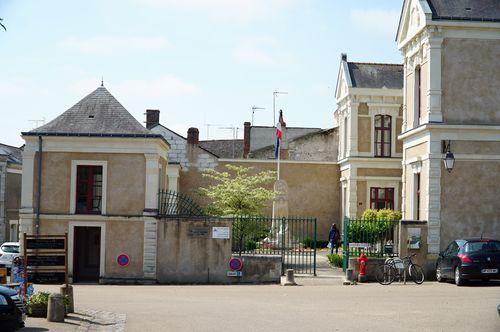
(95, 320)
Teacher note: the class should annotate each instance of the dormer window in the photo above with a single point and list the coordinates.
(383, 128)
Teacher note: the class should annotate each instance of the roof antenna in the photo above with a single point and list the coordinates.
(102, 81)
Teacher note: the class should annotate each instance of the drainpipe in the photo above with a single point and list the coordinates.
(39, 186)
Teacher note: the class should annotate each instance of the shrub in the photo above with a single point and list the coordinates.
(36, 305)
(308, 243)
(335, 260)
(369, 214)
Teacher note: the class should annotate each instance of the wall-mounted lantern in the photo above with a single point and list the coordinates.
(449, 158)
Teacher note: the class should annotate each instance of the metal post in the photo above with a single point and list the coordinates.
(345, 245)
(315, 229)
(283, 245)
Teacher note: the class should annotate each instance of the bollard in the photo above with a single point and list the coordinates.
(67, 290)
(290, 278)
(55, 309)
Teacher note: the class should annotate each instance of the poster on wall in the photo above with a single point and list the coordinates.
(414, 238)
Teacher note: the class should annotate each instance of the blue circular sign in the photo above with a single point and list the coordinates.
(235, 264)
(123, 260)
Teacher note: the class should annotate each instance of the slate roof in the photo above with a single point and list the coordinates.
(224, 147)
(98, 114)
(465, 10)
(13, 154)
(376, 75)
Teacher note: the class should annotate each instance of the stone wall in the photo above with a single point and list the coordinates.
(125, 181)
(186, 155)
(187, 255)
(314, 189)
(470, 81)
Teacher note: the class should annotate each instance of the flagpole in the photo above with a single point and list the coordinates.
(279, 157)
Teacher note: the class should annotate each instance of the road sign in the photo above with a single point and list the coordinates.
(235, 264)
(234, 274)
(123, 259)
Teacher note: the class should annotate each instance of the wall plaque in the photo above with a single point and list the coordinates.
(199, 231)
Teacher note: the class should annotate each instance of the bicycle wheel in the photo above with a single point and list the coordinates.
(385, 274)
(417, 274)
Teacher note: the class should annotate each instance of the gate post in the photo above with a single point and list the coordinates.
(315, 245)
(345, 244)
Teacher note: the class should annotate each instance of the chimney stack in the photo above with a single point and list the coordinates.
(152, 118)
(246, 139)
(193, 136)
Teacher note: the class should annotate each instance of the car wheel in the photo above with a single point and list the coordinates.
(459, 281)
(439, 275)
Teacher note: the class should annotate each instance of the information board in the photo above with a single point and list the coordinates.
(45, 259)
(220, 233)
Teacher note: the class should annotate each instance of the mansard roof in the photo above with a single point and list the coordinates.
(98, 114)
(376, 75)
(465, 10)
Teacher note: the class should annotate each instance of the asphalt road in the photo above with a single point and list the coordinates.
(367, 307)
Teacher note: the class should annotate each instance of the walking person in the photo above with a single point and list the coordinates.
(333, 239)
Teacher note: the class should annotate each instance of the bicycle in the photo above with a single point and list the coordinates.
(399, 267)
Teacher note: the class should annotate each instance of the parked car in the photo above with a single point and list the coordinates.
(8, 251)
(467, 259)
(12, 310)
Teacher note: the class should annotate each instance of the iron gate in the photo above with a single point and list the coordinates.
(292, 238)
(375, 238)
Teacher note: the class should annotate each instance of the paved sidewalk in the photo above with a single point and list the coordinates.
(325, 273)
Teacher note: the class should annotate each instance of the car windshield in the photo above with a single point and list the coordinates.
(477, 246)
(9, 248)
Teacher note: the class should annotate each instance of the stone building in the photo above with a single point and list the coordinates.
(369, 100)
(10, 192)
(451, 53)
(94, 172)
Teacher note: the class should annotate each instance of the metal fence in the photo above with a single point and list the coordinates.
(172, 203)
(294, 239)
(375, 238)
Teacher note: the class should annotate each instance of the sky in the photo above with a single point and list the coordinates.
(202, 63)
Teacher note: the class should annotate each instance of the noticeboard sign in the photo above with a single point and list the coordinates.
(42, 243)
(220, 233)
(45, 259)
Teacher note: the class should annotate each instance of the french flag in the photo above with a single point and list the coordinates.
(279, 134)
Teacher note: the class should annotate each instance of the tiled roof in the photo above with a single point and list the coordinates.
(224, 147)
(465, 10)
(13, 154)
(98, 114)
(376, 75)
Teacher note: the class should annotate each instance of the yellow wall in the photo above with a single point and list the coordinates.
(313, 189)
(394, 172)
(364, 134)
(125, 183)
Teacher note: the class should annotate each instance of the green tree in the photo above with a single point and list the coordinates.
(236, 192)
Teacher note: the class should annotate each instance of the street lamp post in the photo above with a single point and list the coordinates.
(449, 158)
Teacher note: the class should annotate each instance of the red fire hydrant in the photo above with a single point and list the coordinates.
(362, 267)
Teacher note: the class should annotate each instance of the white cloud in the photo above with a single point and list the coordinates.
(108, 45)
(166, 86)
(261, 51)
(226, 10)
(377, 20)
(250, 51)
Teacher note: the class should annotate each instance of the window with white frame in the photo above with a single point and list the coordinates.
(383, 133)
(416, 98)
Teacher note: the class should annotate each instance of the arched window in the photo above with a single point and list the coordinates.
(383, 127)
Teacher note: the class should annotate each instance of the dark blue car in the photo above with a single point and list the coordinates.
(468, 259)
(12, 311)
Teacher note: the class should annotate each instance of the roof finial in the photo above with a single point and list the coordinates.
(102, 81)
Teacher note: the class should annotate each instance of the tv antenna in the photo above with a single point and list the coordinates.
(275, 94)
(255, 108)
(235, 135)
(38, 122)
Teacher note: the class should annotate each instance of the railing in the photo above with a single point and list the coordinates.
(172, 203)
(294, 239)
(375, 238)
